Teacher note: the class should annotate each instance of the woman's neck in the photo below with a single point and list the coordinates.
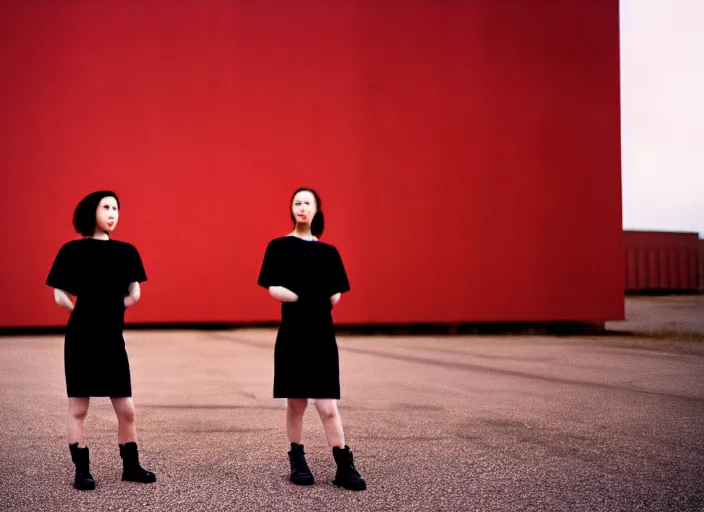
(100, 235)
(303, 231)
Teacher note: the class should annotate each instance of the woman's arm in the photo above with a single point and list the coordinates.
(282, 294)
(134, 293)
(62, 299)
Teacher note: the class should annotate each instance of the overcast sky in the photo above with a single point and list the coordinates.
(662, 105)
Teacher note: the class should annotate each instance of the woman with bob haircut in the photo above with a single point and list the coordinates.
(307, 276)
(103, 275)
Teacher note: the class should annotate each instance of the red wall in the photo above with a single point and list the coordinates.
(467, 153)
(661, 261)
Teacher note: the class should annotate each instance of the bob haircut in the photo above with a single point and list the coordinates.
(317, 225)
(84, 215)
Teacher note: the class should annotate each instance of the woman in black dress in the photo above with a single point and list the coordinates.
(308, 277)
(103, 275)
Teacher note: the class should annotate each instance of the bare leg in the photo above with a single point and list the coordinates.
(126, 428)
(127, 439)
(294, 419)
(300, 472)
(332, 423)
(77, 412)
(347, 475)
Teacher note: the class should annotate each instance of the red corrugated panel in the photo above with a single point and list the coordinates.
(684, 269)
(653, 268)
(672, 271)
(631, 269)
(701, 265)
(642, 269)
(663, 261)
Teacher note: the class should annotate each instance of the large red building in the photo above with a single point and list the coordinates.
(467, 153)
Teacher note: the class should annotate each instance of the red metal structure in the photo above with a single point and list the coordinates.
(467, 153)
(701, 265)
(658, 261)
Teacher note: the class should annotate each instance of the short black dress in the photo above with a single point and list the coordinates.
(98, 273)
(306, 363)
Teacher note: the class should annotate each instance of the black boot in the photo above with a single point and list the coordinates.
(81, 458)
(300, 472)
(131, 470)
(347, 475)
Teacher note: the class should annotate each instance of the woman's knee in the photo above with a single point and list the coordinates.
(126, 415)
(124, 409)
(78, 414)
(326, 409)
(78, 411)
(297, 405)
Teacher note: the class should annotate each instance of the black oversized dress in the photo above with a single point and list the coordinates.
(306, 361)
(98, 273)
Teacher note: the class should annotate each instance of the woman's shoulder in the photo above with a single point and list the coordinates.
(279, 240)
(73, 245)
(121, 244)
(289, 240)
(277, 244)
(327, 251)
(86, 241)
(327, 246)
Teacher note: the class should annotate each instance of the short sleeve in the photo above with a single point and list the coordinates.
(271, 272)
(136, 267)
(63, 274)
(338, 279)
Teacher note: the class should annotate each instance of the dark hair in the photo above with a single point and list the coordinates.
(317, 225)
(84, 215)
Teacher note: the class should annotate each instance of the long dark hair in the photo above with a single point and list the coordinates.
(317, 225)
(84, 215)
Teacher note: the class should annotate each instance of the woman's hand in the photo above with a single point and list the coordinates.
(62, 299)
(134, 294)
(282, 294)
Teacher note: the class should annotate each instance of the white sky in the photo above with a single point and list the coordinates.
(662, 107)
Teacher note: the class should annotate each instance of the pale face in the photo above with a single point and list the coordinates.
(107, 214)
(304, 207)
